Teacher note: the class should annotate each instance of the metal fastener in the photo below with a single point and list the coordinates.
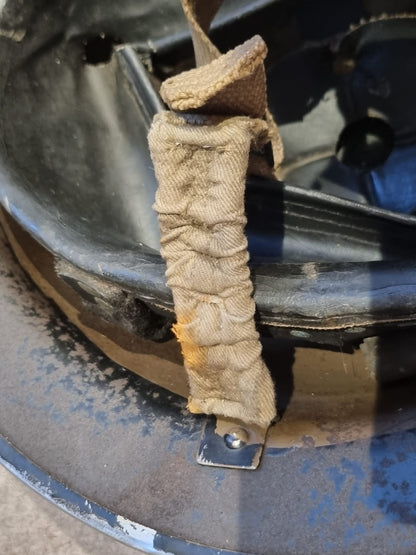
(236, 438)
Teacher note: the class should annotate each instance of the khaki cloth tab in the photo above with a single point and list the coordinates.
(234, 83)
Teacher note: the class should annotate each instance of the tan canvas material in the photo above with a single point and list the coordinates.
(200, 14)
(201, 170)
(201, 156)
(217, 87)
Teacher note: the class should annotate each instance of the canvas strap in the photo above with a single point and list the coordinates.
(201, 155)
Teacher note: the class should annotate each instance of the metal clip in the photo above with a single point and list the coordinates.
(231, 444)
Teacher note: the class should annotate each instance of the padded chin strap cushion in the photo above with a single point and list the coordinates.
(201, 158)
(201, 169)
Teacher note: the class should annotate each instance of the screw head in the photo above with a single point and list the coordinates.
(236, 438)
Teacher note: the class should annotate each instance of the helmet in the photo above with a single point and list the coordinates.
(331, 241)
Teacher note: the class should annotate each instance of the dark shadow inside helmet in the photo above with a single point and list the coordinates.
(331, 244)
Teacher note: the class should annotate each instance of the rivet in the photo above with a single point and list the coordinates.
(236, 438)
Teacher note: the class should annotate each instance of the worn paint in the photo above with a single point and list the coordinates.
(130, 446)
(333, 395)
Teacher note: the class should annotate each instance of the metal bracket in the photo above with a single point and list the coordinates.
(231, 444)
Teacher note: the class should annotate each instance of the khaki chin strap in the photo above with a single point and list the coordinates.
(201, 155)
(200, 14)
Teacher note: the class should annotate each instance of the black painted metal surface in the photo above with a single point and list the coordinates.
(75, 169)
(75, 172)
(120, 454)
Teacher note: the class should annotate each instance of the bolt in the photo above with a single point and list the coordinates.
(236, 438)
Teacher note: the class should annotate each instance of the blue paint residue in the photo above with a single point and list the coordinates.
(328, 546)
(306, 466)
(392, 185)
(354, 533)
(394, 479)
(337, 477)
(314, 494)
(322, 513)
(354, 468)
(364, 492)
